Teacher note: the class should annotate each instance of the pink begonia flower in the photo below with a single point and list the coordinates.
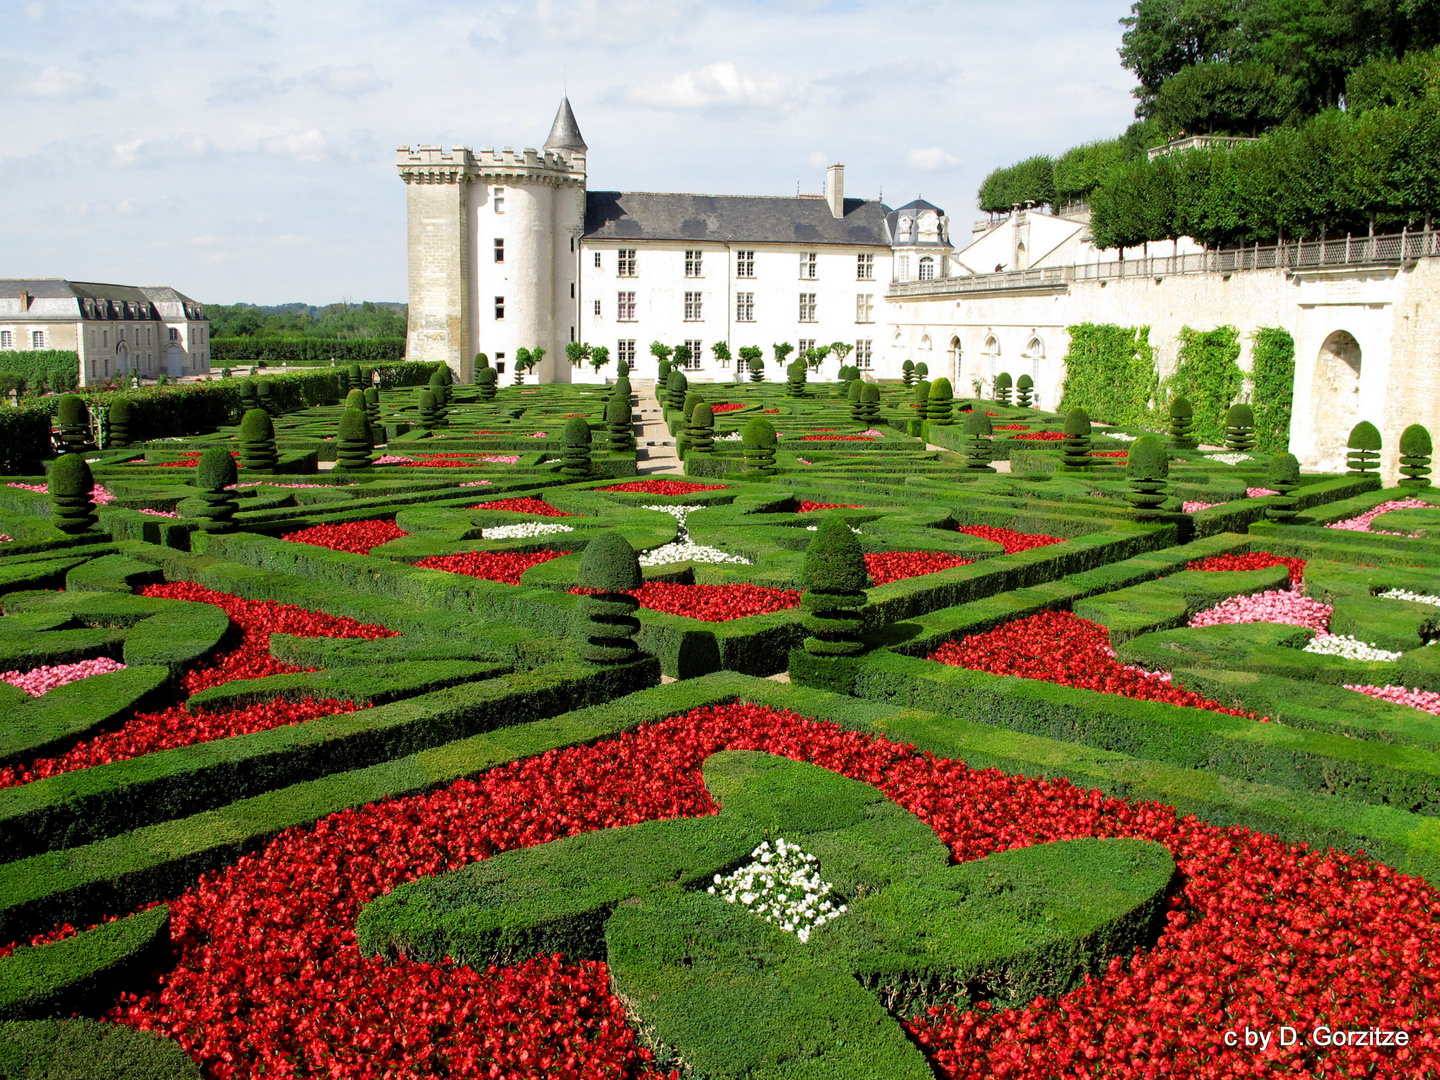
(6, 539)
(1196, 507)
(873, 433)
(98, 492)
(1258, 493)
(1362, 522)
(1424, 700)
(501, 459)
(473, 483)
(802, 461)
(1276, 606)
(41, 680)
(161, 513)
(538, 435)
(394, 459)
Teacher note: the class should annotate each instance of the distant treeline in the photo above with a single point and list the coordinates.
(336, 322)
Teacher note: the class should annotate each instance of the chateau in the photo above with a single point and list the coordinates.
(510, 249)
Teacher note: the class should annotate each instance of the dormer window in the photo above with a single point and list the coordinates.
(904, 229)
(929, 228)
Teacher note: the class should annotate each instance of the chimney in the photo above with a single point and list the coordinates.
(24, 300)
(835, 189)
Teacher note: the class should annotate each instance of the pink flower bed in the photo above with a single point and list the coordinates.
(500, 459)
(393, 459)
(1196, 507)
(98, 492)
(6, 539)
(1425, 700)
(1362, 522)
(41, 680)
(473, 483)
(161, 513)
(1277, 606)
(1259, 493)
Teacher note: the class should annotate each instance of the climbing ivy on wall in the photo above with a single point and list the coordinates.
(1274, 379)
(1209, 377)
(56, 368)
(1110, 372)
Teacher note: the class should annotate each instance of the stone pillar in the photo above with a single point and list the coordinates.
(438, 240)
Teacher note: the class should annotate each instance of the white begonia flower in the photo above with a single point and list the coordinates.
(1231, 459)
(1351, 648)
(525, 529)
(1413, 597)
(781, 866)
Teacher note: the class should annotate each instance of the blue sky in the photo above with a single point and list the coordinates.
(245, 150)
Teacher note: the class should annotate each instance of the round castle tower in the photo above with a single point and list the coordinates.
(494, 250)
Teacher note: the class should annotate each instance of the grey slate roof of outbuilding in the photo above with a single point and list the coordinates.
(66, 297)
(741, 219)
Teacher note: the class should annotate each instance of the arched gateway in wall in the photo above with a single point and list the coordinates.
(1335, 393)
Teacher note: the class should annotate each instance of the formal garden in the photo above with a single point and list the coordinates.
(359, 724)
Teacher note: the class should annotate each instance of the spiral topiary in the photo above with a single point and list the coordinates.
(1415, 451)
(486, 383)
(757, 444)
(1364, 459)
(921, 398)
(1182, 425)
(835, 583)
(265, 399)
(429, 410)
(870, 404)
(676, 387)
(354, 380)
(73, 420)
(977, 445)
(257, 441)
(692, 398)
(757, 369)
(1147, 470)
(214, 476)
(1076, 446)
(796, 376)
(662, 374)
(1284, 477)
(907, 373)
(622, 369)
(355, 444)
(249, 397)
(1002, 388)
(605, 624)
(439, 388)
(622, 388)
(853, 394)
(372, 408)
(620, 423)
(1024, 391)
(940, 408)
(700, 430)
(1240, 428)
(575, 455)
(117, 418)
(72, 498)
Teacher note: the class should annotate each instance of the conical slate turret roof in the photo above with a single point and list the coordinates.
(565, 133)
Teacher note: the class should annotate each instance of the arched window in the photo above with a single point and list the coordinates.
(955, 360)
(927, 268)
(992, 357)
(1034, 354)
(925, 344)
(1021, 255)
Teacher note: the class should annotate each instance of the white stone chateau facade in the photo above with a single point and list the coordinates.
(510, 249)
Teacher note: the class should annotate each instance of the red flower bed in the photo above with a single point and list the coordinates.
(1039, 436)
(887, 566)
(191, 460)
(1012, 427)
(1259, 933)
(1011, 540)
(1255, 560)
(505, 566)
(1060, 647)
(1110, 453)
(808, 507)
(146, 733)
(538, 507)
(711, 603)
(665, 487)
(356, 537)
(731, 406)
(836, 438)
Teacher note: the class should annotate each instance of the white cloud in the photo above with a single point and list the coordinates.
(819, 159)
(931, 159)
(591, 23)
(719, 84)
(26, 80)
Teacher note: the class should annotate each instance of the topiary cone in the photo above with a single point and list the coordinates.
(356, 381)
(1284, 477)
(257, 441)
(700, 432)
(1415, 451)
(940, 407)
(355, 400)
(692, 398)
(622, 369)
(1240, 428)
(355, 444)
(73, 420)
(72, 500)
(486, 381)
(978, 444)
(372, 408)
(1024, 391)
(757, 444)
(796, 376)
(1147, 470)
(605, 623)
(620, 423)
(1002, 388)
(575, 452)
(622, 388)
(1182, 425)
(430, 409)
(1076, 445)
(214, 476)
(835, 583)
(921, 398)
(117, 418)
(1364, 459)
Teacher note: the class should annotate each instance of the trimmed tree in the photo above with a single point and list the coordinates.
(692, 398)
(922, 370)
(355, 444)
(796, 376)
(940, 408)
(1415, 451)
(430, 409)
(978, 445)
(1076, 445)
(72, 494)
(265, 398)
(907, 373)
(757, 368)
(676, 387)
(870, 404)
(662, 374)
(1182, 425)
(835, 583)
(1147, 471)
(619, 423)
(117, 417)
(757, 444)
(1364, 458)
(748, 355)
(481, 362)
(1024, 391)
(605, 623)
(487, 383)
(622, 388)
(1284, 477)
(575, 455)
(355, 399)
(1240, 428)
(214, 476)
(622, 369)
(257, 441)
(250, 399)
(73, 420)
(700, 431)
(356, 381)
(853, 394)
(439, 388)
(921, 398)
(1002, 388)
(372, 407)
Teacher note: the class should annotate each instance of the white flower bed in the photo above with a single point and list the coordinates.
(1231, 459)
(816, 528)
(525, 529)
(783, 887)
(733, 436)
(685, 551)
(1413, 597)
(1120, 436)
(1351, 648)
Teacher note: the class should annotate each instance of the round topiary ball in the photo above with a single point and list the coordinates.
(1364, 444)
(610, 564)
(257, 440)
(834, 559)
(117, 416)
(355, 400)
(216, 470)
(1148, 459)
(576, 432)
(759, 433)
(1415, 451)
(71, 486)
(1077, 423)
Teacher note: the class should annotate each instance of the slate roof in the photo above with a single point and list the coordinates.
(743, 219)
(66, 297)
(565, 132)
(912, 210)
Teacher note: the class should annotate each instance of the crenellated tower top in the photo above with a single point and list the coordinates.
(459, 165)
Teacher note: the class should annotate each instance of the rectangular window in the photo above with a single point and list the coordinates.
(693, 307)
(120, 334)
(745, 307)
(865, 267)
(625, 350)
(174, 334)
(807, 265)
(37, 339)
(865, 307)
(745, 264)
(497, 199)
(862, 354)
(597, 260)
(694, 347)
(499, 307)
(499, 249)
(597, 309)
(572, 290)
(903, 267)
(693, 265)
(7, 339)
(805, 345)
(807, 307)
(625, 262)
(625, 306)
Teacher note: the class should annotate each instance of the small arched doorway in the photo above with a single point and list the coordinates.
(1021, 256)
(174, 361)
(1335, 395)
